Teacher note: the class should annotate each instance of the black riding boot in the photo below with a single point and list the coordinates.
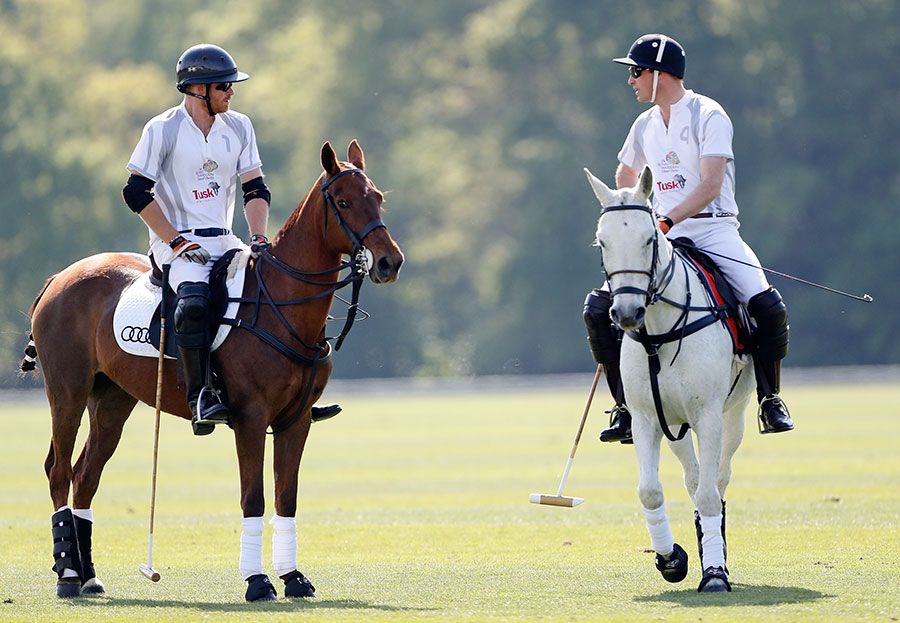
(774, 416)
(619, 417)
(325, 412)
(770, 345)
(206, 406)
(606, 342)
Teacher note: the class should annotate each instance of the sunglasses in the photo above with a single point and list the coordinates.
(636, 72)
(224, 86)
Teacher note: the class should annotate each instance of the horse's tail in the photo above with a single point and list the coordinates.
(29, 361)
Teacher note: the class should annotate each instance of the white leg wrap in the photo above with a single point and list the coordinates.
(84, 513)
(712, 541)
(661, 538)
(251, 546)
(284, 544)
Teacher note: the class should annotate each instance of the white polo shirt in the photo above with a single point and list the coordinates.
(196, 177)
(698, 128)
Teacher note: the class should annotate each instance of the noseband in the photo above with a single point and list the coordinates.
(652, 293)
(355, 238)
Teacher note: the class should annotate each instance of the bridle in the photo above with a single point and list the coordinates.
(359, 265)
(655, 288)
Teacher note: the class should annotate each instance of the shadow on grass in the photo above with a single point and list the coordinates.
(742, 595)
(281, 605)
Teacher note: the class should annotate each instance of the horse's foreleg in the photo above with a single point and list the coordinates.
(708, 516)
(289, 446)
(671, 559)
(684, 451)
(250, 440)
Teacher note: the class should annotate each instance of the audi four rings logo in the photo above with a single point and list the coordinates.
(141, 335)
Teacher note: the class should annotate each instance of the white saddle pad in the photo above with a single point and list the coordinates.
(134, 311)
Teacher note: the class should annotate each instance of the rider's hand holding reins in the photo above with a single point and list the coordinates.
(258, 244)
(665, 224)
(189, 251)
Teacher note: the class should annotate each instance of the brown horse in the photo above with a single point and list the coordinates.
(266, 369)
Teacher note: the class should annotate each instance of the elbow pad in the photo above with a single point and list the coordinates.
(136, 192)
(256, 189)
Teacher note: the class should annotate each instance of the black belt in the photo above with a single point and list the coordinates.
(208, 232)
(711, 215)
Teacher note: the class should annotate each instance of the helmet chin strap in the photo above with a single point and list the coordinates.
(205, 98)
(655, 83)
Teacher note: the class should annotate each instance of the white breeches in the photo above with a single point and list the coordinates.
(182, 270)
(721, 236)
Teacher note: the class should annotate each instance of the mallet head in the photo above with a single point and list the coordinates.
(149, 572)
(554, 500)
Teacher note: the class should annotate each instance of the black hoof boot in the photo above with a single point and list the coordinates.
(298, 585)
(774, 416)
(68, 587)
(675, 569)
(259, 588)
(325, 412)
(91, 584)
(715, 580)
(619, 426)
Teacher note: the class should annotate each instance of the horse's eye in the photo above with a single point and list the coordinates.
(342, 204)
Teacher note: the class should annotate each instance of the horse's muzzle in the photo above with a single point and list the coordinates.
(386, 268)
(629, 320)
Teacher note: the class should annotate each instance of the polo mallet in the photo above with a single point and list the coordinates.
(147, 569)
(559, 499)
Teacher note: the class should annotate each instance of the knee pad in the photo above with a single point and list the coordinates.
(191, 314)
(603, 337)
(772, 330)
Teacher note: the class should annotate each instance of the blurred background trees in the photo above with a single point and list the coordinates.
(477, 117)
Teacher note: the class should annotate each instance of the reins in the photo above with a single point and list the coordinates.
(322, 350)
(653, 294)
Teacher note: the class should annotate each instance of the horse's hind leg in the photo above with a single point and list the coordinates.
(67, 397)
(671, 559)
(109, 407)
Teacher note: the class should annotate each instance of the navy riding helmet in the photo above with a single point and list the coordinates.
(655, 51)
(205, 64)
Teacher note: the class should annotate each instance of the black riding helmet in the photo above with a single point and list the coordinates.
(655, 51)
(206, 64)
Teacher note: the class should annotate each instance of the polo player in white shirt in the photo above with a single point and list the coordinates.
(184, 177)
(685, 139)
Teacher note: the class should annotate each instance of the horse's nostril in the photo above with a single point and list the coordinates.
(639, 316)
(384, 267)
(614, 315)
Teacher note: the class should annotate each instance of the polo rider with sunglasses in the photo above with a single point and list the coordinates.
(183, 183)
(685, 139)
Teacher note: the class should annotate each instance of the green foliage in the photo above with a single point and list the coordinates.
(477, 117)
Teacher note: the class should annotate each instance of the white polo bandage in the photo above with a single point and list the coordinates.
(251, 546)
(661, 538)
(284, 544)
(712, 542)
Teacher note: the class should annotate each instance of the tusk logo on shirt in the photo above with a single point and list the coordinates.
(210, 192)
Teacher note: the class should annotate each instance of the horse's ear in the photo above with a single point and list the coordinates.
(645, 184)
(329, 160)
(601, 191)
(355, 155)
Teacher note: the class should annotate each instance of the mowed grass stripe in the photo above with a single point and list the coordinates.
(415, 508)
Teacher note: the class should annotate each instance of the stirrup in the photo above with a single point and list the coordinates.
(765, 427)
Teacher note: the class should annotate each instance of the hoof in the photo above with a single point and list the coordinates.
(675, 569)
(259, 588)
(715, 580)
(298, 585)
(93, 587)
(70, 587)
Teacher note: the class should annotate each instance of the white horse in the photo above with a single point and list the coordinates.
(658, 298)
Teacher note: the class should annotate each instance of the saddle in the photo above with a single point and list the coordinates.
(136, 318)
(733, 314)
(218, 301)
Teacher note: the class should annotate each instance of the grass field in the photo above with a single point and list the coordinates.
(416, 508)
